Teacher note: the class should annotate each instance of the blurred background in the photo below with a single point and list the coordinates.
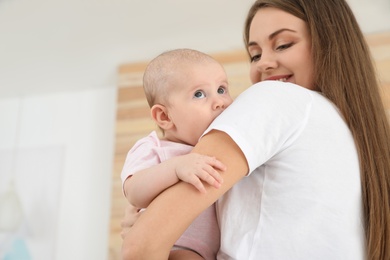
(61, 68)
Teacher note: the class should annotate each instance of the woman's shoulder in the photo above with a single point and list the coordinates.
(275, 93)
(276, 87)
(280, 93)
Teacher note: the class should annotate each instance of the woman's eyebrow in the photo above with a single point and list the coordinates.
(273, 35)
(251, 44)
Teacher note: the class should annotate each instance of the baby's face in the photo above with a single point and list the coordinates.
(199, 96)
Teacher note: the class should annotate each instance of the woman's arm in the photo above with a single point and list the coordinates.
(131, 216)
(167, 217)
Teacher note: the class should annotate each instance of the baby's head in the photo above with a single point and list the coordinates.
(186, 89)
(164, 71)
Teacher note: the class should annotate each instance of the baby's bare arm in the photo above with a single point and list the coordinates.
(145, 185)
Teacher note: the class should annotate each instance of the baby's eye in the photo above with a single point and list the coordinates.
(199, 94)
(255, 58)
(222, 90)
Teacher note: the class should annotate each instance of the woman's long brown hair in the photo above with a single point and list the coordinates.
(345, 74)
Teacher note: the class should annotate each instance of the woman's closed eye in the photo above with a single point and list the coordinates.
(255, 58)
(284, 46)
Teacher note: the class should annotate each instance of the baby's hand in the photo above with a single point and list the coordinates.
(193, 167)
(131, 215)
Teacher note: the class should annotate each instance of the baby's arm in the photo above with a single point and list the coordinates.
(145, 185)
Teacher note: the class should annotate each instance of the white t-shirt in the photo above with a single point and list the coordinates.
(302, 198)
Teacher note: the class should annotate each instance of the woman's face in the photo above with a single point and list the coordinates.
(280, 48)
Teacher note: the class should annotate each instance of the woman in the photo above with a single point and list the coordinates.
(317, 155)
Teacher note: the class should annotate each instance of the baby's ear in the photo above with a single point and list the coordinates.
(160, 116)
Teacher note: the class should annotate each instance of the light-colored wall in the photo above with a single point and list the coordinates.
(71, 45)
(80, 124)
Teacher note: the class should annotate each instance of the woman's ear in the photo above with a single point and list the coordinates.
(160, 116)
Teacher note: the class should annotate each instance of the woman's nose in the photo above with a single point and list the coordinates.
(266, 63)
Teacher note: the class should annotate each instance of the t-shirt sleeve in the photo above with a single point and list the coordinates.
(265, 119)
(142, 155)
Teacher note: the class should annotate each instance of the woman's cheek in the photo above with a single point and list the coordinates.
(255, 75)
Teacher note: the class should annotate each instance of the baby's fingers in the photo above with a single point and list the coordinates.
(217, 164)
(209, 175)
(212, 170)
(216, 179)
(195, 181)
